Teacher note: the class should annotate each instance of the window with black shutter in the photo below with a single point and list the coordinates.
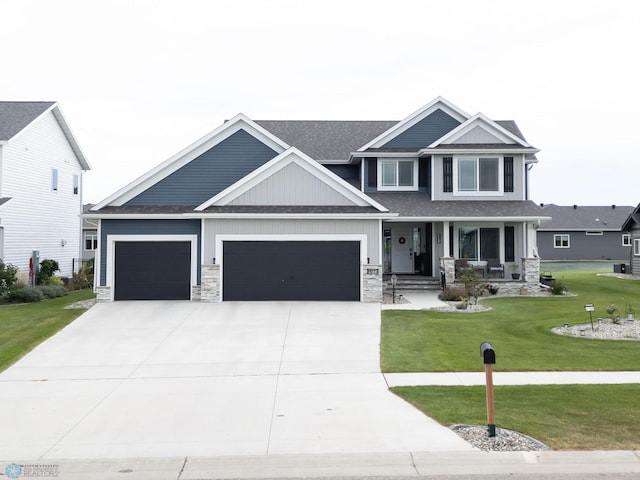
(509, 244)
(508, 174)
(447, 174)
(372, 172)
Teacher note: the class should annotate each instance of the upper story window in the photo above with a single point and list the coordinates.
(626, 239)
(561, 240)
(396, 174)
(636, 247)
(76, 184)
(478, 175)
(54, 179)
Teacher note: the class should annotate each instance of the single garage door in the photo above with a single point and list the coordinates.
(152, 271)
(291, 270)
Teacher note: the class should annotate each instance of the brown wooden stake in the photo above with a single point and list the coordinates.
(491, 420)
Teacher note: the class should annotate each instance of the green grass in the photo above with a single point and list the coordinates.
(564, 417)
(519, 330)
(23, 327)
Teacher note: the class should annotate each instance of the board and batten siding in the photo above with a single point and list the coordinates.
(145, 227)
(438, 193)
(213, 227)
(210, 173)
(292, 185)
(36, 217)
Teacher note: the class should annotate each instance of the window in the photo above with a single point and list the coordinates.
(478, 243)
(90, 240)
(397, 174)
(626, 239)
(561, 241)
(508, 174)
(478, 175)
(54, 179)
(76, 184)
(636, 247)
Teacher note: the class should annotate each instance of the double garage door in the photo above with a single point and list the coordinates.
(252, 270)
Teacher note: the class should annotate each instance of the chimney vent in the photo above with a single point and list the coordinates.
(575, 207)
(613, 206)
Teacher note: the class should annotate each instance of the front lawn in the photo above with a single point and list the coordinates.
(23, 327)
(519, 330)
(564, 417)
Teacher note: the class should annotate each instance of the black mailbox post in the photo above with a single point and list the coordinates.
(489, 359)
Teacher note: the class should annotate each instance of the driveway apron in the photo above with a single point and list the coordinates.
(155, 379)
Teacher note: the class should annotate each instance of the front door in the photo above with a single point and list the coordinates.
(402, 249)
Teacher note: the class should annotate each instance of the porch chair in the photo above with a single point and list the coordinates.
(494, 267)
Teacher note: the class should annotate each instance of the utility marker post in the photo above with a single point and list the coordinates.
(489, 359)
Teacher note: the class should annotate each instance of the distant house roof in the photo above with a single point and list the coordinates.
(325, 140)
(14, 116)
(580, 217)
(633, 218)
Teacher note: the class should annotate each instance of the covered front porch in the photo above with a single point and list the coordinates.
(500, 251)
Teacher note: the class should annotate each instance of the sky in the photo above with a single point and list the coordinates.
(139, 81)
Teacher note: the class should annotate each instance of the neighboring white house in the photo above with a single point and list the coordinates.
(41, 167)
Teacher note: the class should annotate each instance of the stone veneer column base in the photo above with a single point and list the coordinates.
(531, 270)
(210, 283)
(372, 283)
(448, 266)
(103, 294)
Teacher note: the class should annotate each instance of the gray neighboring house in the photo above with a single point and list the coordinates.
(320, 210)
(631, 226)
(579, 232)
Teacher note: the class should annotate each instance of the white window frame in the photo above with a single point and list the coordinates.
(557, 236)
(478, 226)
(594, 232)
(636, 247)
(94, 241)
(396, 187)
(626, 239)
(477, 192)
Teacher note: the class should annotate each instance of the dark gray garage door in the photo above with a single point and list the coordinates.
(152, 271)
(291, 270)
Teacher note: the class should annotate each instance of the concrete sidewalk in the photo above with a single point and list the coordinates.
(400, 464)
(510, 378)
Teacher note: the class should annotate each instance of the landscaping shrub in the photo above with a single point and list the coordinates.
(25, 295)
(52, 291)
(453, 294)
(557, 287)
(47, 268)
(8, 278)
(83, 278)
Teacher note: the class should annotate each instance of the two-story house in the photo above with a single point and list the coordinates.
(319, 210)
(41, 168)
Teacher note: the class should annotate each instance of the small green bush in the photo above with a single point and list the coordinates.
(453, 294)
(25, 295)
(52, 291)
(8, 277)
(47, 268)
(56, 281)
(558, 288)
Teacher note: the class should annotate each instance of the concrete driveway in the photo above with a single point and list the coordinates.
(159, 379)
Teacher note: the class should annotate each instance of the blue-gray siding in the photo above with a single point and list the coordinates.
(210, 173)
(347, 172)
(425, 132)
(607, 246)
(145, 227)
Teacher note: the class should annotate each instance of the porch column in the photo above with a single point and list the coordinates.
(445, 239)
(531, 241)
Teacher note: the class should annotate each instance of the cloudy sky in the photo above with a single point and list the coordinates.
(140, 80)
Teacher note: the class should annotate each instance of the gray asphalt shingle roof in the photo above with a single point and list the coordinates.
(14, 116)
(234, 209)
(326, 139)
(335, 139)
(585, 217)
(418, 204)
